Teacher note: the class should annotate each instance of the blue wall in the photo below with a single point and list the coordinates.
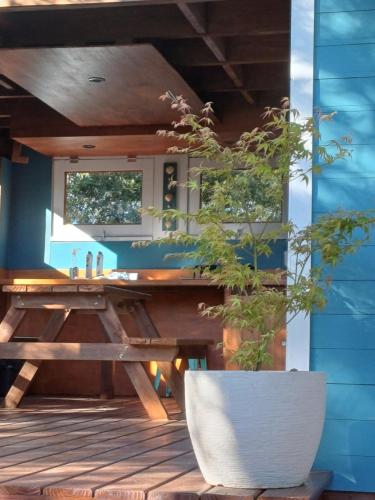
(5, 180)
(29, 245)
(343, 335)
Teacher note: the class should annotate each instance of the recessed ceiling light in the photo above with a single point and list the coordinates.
(96, 79)
(89, 146)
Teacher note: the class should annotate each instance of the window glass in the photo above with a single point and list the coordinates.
(103, 198)
(250, 195)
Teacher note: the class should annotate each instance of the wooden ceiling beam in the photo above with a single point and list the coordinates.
(217, 46)
(236, 50)
(16, 154)
(10, 5)
(56, 27)
(256, 77)
(245, 17)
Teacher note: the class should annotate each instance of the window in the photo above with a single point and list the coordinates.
(102, 199)
(258, 195)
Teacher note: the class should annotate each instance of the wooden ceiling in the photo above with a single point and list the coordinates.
(134, 77)
(232, 52)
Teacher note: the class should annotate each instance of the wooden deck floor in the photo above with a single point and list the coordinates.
(91, 448)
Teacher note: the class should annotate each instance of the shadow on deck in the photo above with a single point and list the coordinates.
(93, 448)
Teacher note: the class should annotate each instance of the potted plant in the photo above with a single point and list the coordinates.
(250, 427)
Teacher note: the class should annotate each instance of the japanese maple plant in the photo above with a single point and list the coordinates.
(248, 427)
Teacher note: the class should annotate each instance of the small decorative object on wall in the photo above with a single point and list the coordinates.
(169, 194)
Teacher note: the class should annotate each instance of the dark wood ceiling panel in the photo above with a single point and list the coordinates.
(244, 17)
(127, 145)
(110, 25)
(239, 50)
(62, 4)
(135, 77)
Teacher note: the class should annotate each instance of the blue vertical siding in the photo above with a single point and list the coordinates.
(5, 179)
(343, 334)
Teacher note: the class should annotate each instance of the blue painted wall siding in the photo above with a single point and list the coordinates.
(29, 245)
(343, 334)
(5, 180)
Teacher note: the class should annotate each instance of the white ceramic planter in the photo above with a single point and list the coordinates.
(255, 429)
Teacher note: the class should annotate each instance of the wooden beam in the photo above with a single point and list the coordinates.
(54, 27)
(83, 351)
(17, 156)
(216, 45)
(58, 301)
(256, 77)
(9, 5)
(237, 50)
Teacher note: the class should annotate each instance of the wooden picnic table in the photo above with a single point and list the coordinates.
(105, 301)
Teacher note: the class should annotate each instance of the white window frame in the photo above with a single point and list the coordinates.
(300, 194)
(194, 204)
(101, 232)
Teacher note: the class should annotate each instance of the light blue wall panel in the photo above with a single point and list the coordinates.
(359, 61)
(350, 472)
(343, 334)
(351, 297)
(358, 125)
(355, 331)
(348, 437)
(361, 163)
(350, 402)
(346, 94)
(351, 267)
(343, 5)
(346, 193)
(345, 366)
(346, 27)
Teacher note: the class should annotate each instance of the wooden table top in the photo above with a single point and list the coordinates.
(31, 284)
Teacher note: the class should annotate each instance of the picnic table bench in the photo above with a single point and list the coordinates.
(105, 301)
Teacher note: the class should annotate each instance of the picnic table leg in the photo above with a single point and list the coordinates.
(10, 323)
(135, 370)
(30, 368)
(169, 371)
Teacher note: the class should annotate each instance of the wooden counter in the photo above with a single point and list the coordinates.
(180, 282)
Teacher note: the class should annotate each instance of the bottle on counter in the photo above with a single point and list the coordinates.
(99, 264)
(89, 258)
(73, 270)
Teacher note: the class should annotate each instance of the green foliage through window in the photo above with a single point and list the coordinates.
(103, 197)
(244, 194)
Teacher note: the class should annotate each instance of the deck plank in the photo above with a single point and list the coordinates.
(312, 490)
(32, 477)
(221, 493)
(86, 484)
(138, 485)
(190, 486)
